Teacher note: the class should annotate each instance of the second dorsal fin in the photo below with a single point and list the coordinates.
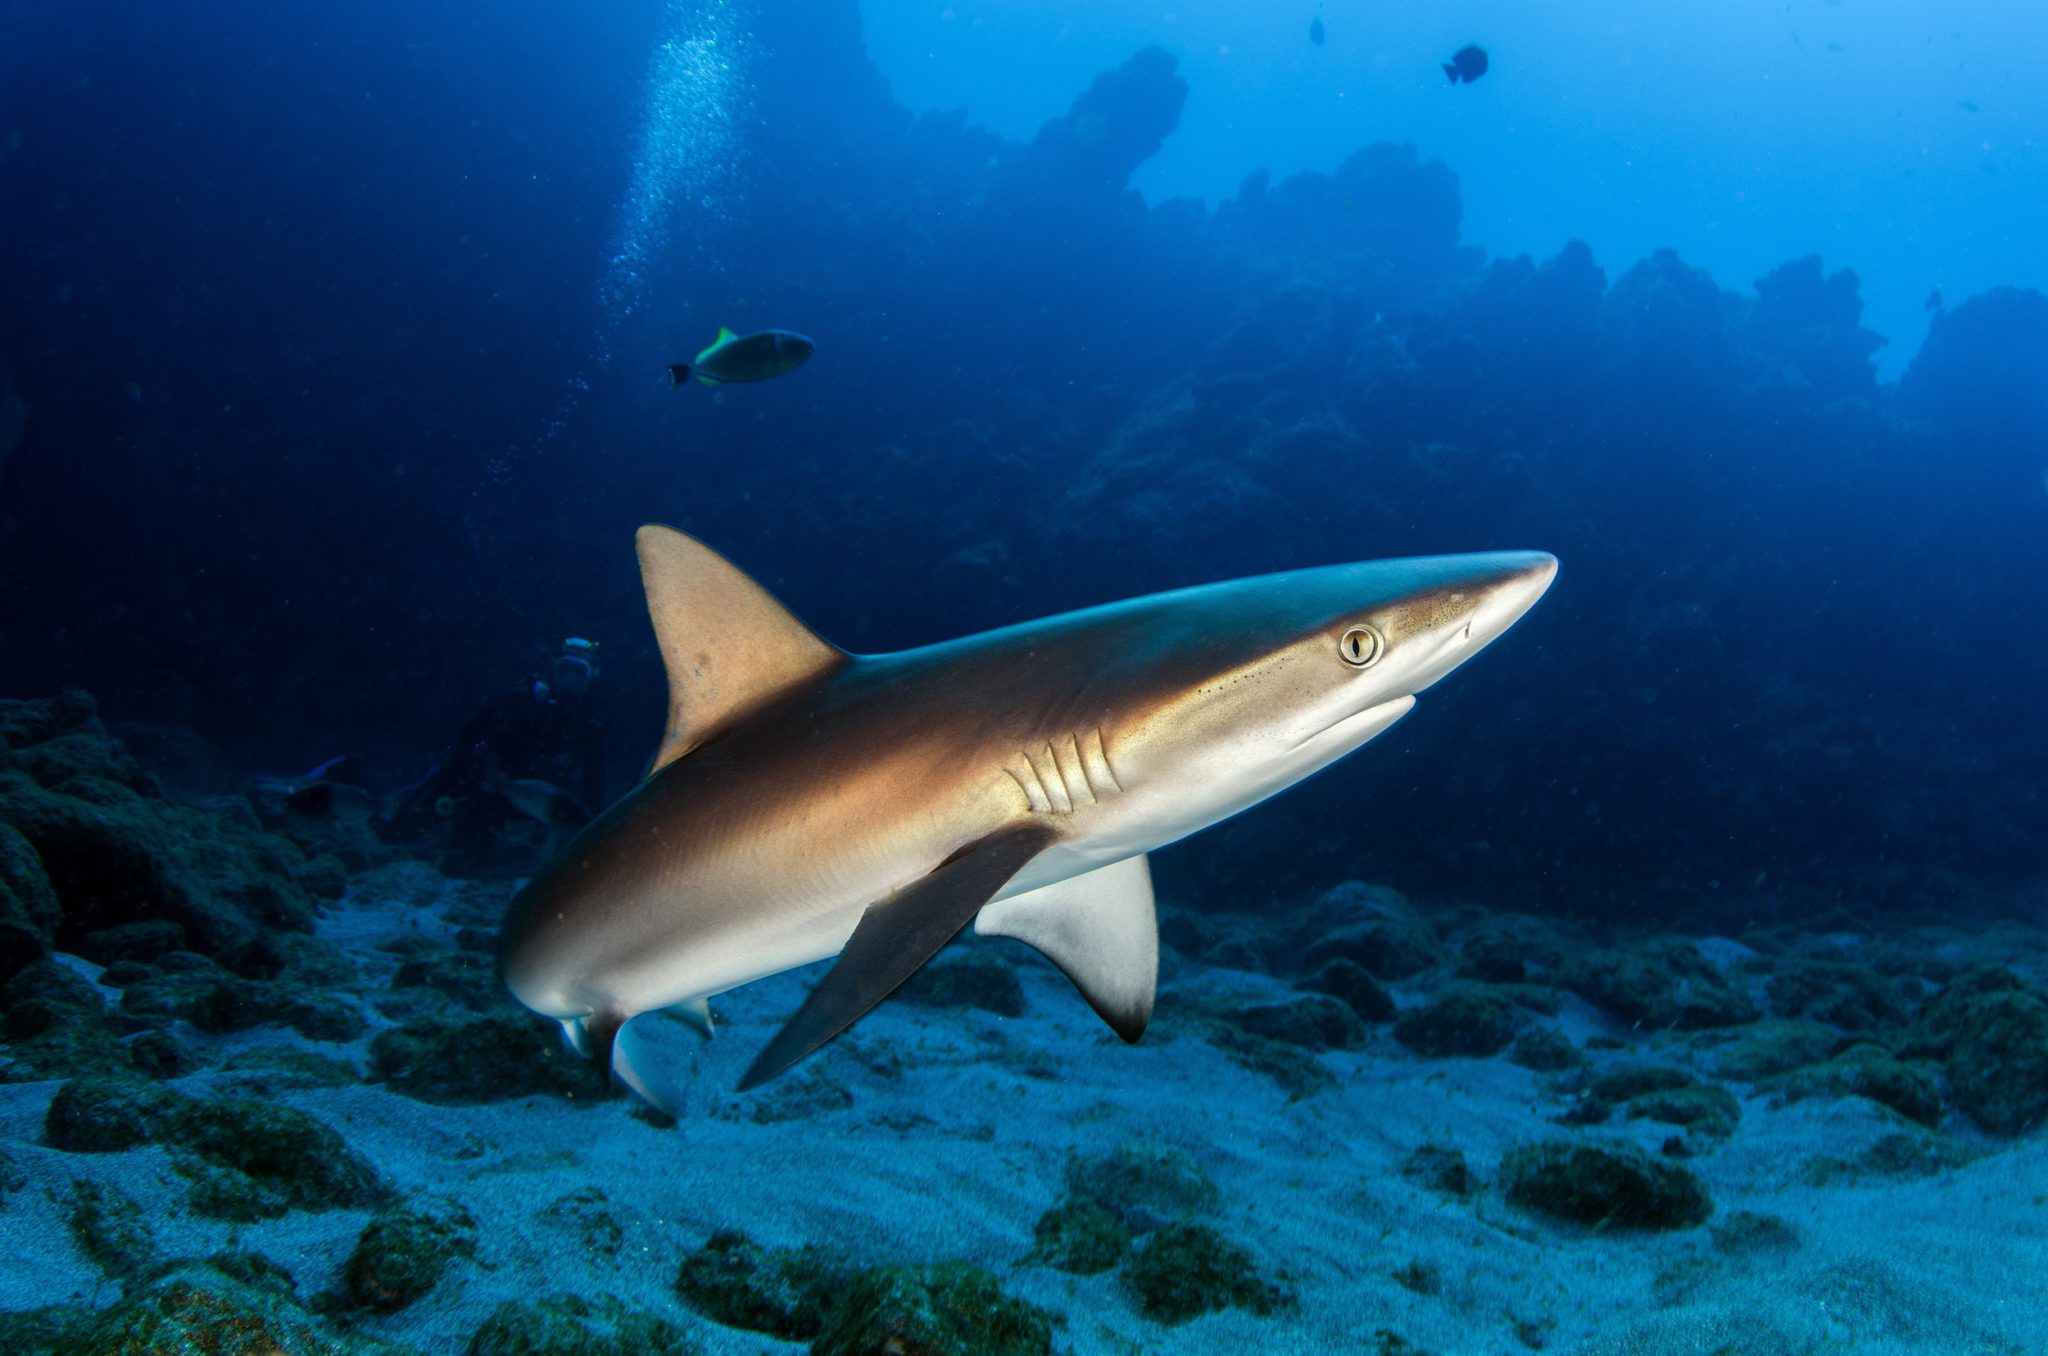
(728, 645)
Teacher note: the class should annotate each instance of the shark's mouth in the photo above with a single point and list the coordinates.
(1337, 739)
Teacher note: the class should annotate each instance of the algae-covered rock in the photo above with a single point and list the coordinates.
(784, 1292)
(974, 979)
(1990, 1030)
(55, 1024)
(1079, 1236)
(284, 1150)
(1348, 980)
(1746, 1233)
(1313, 1021)
(403, 1251)
(1669, 1096)
(570, 1325)
(202, 1310)
(1545, 1049)
(1390, 942)
(29, 913)
(947, 1310)
(467, 978)
(1604, 1186)
(1664, 983)
(1770, 1048)
(1187, 1270)
(110, 1229)
(218, 1002)
(104, 1115)
(490, 1058)
(1853, 997)
(1471, 1020)
(1144, 1184)
(1873, 1073)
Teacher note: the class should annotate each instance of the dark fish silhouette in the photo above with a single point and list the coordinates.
(1468, 65)
(1315, 31)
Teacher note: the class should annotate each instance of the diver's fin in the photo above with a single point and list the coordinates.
(1101, 929)
(678, 373)
(729, 647)
(894, 938)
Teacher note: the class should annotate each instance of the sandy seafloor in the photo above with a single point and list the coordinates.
(962, 1124)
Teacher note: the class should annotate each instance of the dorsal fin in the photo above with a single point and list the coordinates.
(725, 336)
(728, 645)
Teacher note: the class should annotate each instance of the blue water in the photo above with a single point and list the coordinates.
(339, 335)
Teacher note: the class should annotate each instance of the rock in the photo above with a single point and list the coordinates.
(201, 1308)
(932, 1311)
(467, 978)
(1390, 942)
(1187, 1270)
(1870, 1072)
(1603, 1186)
(29, 914)
(1854, 998)
(783, 1292)
(1990, 1030)
(105, 1115)
(262, 1070)
(1314, 1021)
(489, 1058)
(1080, 1237)
(218, 1002)
(286, 1153)
(140, 941)
(1774, 1047)
(1353, 983)
(569, 1325)
(1464, 1019)
(1118, 122)
(403, 1251)
(975, 979)
(1144, 1184)
(1439, 1168)
(110, 1229)
(1666, 1095)
(1665, 983)
(55, 1023)
(1545, 1049)
(157, 1054)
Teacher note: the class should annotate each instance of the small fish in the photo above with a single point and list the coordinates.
(1315, 30)
(1934, 302)
(756, 357)
(1968, 105)
(541, 801)
(1468, 65)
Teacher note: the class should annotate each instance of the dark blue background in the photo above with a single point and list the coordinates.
(283, 284)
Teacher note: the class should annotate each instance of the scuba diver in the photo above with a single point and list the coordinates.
(529, 765)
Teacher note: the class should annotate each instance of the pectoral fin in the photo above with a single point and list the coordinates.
(895, 937)
(1101, 929)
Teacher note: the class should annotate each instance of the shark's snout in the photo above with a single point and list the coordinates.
(1494, 591)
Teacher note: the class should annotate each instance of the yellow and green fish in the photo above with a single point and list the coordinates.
(754, 357)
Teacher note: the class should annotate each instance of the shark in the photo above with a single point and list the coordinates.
(806, 802)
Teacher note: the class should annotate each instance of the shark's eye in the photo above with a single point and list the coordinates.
(1361, 646)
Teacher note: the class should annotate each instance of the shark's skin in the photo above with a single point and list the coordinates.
(905, 794)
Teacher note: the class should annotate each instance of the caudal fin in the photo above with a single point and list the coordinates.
(678, 373)
(1451, 72)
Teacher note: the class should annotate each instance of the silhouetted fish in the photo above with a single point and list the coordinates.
(1315, 31)
(1468, 65)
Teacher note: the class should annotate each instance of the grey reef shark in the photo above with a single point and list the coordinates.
(806, 802)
